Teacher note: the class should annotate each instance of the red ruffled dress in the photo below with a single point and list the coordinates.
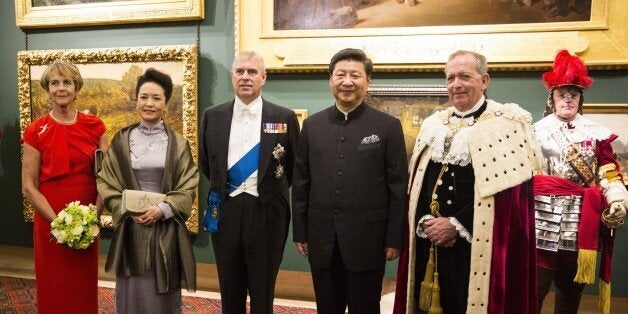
(66, 279)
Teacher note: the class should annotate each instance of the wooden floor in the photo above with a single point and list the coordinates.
(294, 285)
(588, 305)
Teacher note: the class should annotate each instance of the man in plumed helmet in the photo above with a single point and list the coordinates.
(580, 188)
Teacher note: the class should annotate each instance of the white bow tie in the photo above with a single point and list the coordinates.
(245, 110)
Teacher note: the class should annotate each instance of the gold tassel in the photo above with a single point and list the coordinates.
(425, 296)
(604, 299)
(435, 308)
(586, 266)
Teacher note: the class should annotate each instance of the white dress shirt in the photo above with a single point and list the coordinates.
(246, 125)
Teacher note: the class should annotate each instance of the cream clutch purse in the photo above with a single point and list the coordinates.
(134, 200)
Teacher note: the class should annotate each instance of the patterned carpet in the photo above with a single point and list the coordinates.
(17, 295)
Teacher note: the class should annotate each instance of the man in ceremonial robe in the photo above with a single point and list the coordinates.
(470, 243)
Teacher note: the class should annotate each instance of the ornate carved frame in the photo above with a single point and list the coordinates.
(186, 54)
(602, 42)
(107, 13)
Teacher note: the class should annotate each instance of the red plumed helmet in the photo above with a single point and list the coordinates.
(567, 70)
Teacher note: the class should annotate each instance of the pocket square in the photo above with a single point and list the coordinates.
(370, 139)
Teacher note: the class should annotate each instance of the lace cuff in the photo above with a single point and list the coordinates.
(419, 229)
(461, 229)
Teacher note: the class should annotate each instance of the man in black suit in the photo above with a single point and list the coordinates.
(247, 153)
(349, 191)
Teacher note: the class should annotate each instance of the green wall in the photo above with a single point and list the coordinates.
(308, 91)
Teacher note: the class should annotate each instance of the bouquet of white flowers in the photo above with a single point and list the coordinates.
(76, 225)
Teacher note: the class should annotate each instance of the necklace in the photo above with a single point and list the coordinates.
(51, 114)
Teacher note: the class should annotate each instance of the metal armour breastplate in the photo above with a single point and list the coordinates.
(556, 222)
(556, 164)
(558, 217)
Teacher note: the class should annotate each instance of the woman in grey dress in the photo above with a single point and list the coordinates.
(151, 252)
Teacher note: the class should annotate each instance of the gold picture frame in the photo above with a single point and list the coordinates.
(117, 68)
(410, 103)
(602, 41)
(614, 117)
(301, 115)
(29, 15)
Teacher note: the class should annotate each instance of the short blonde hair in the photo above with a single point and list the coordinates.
(65, 69)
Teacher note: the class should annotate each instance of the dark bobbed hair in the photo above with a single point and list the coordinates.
(160, 78)
(65, 69)
(352, 54)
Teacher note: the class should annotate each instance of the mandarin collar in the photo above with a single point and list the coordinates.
(353, 114)
(157, 128)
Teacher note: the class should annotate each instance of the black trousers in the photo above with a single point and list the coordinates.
(248, 249)
(337, 287)
(568, 292)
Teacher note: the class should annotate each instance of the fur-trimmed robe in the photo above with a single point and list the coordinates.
(501, 147)
(173, 257)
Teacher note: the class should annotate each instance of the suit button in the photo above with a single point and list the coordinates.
(337, 192)
(335, 211)
(341, 156)
(339, 173)
(342, 138)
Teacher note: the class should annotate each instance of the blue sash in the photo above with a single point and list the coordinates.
(237, 174)
(243, 169)
(212, 214)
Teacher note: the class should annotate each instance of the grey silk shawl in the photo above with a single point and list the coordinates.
(132, 252)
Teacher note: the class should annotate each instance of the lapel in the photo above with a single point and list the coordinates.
(223, 129)
(267, 141)
(124, 158)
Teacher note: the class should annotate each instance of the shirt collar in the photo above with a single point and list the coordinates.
(254, 108)
(467, 113)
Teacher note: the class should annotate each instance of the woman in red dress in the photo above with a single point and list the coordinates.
(57, 168)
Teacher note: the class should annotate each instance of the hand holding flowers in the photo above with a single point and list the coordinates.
(76, 225)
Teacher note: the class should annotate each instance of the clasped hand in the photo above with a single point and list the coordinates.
(440, 231)
(614, 216)
(148, 216)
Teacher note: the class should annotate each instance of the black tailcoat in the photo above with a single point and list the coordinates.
(253, 231)
(214, 149)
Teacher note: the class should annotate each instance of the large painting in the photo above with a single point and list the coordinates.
(109, 91)
(57, 13)
(411, 104)
(419, 35)
(288, 15)
(614, 117)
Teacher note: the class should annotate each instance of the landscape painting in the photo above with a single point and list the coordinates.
(326, 14)
(110, 76)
